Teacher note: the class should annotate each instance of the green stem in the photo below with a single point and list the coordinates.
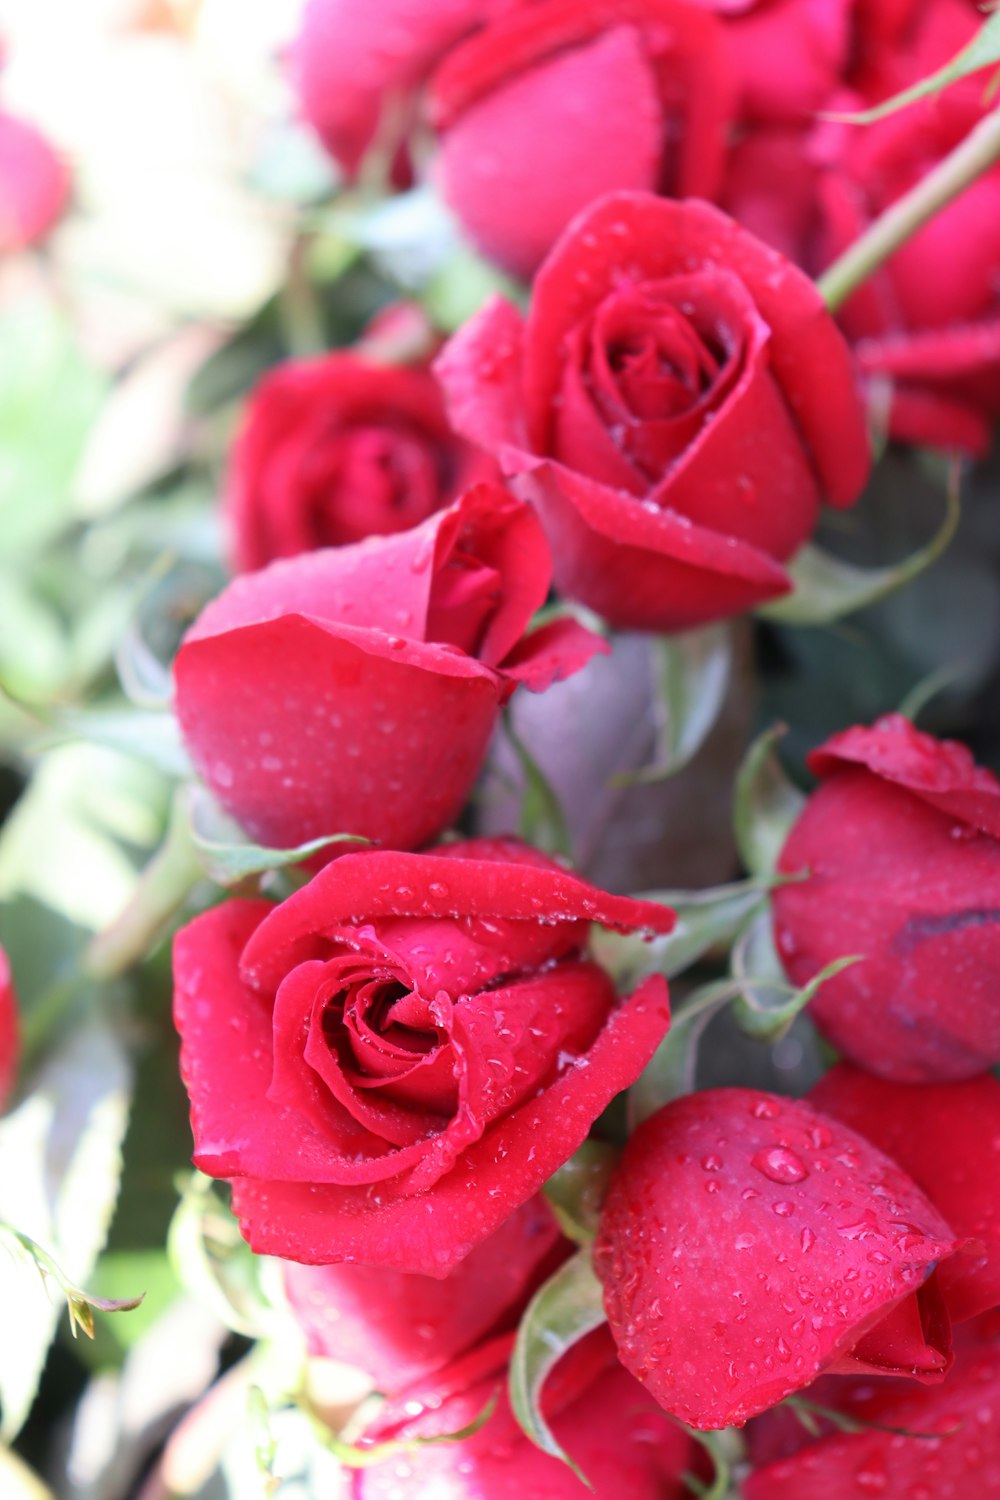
(163, 885)
(969, 160)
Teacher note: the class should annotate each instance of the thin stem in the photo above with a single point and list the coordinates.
(970, 159)
(163, 886)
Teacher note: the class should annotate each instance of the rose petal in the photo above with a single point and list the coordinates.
(9, 1030)
(433, 1231)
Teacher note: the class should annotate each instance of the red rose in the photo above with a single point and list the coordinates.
(335, 449)
(676, 404)
(621, 1441)
(9, 1030)
(399, 1327)
(392, 1061)
(748, 1243)
(937, 337)
(562, 101)
(788, 55)
(903, 844)
(947, 1136)
(961, 1462)
(355, 68)
(355, 689)
(34, 184)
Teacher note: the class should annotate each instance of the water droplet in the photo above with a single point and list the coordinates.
(712, 1163)
(780, 1165)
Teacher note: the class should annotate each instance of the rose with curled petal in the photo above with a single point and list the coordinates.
(947, 1136)
(10, 1046)
(34, 184)
(336, 449)
(902, 845)
(388, 1064)
(559, 102)
(399, 1327)
(355, 689)
(937, 1443)
(748, 1243)
(611, 1429)
(676, 404)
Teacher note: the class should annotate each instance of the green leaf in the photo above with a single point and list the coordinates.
(692, 672)
(79, 1304)
(576, 1191)
(981, 52)
(765, 804)
(567, 1307)
(355, 1457)
(147, 736)
(827, 589)
(543, 822)
(214, 1263)
(49, 396)
(60, 1160)
(766, 1005)
(671, 1070)
(705, 919)
(221, 852)
(460, 286)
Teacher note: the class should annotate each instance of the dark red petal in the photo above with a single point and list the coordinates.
(399, 1327)
(9, 1030)
(432, 1232)
(446, 884)
(947, 1136)
(940, 772)
(962, 1461)
(552, 653)
(523, 160)
(640, 567)
(746, 1243)
(303, 729)
(640, 238)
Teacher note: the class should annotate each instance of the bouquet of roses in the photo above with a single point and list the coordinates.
(453, 1044)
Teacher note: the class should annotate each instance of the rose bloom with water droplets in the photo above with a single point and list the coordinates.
(677, 403)
(911, 1443)
(901, 843)
(749, 1243)
(390, 1063)
(355, 689)
(616, 1434)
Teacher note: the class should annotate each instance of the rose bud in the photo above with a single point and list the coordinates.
(356, 69)
(335, 449)
(941, 1443)
(935, 338)
(559, 102)
(607, 1424)
(399, 1327)
(901, 845)
(393, 1060)
(355, 689)
(34, 184)
(9, 1030)
(947, 1136)
(676, 404)
(748, 1243)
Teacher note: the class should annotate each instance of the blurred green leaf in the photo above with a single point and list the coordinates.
(765, 804)
(49, 397)
(567, 1307)
(576, 1191)
(766, 1004)
(827, 589)
(981, 52)
(705, 919)
(60, 1159)
(214, 1263)
(216, 839)
(671, 1070)
(692, 672)
(542, 821)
